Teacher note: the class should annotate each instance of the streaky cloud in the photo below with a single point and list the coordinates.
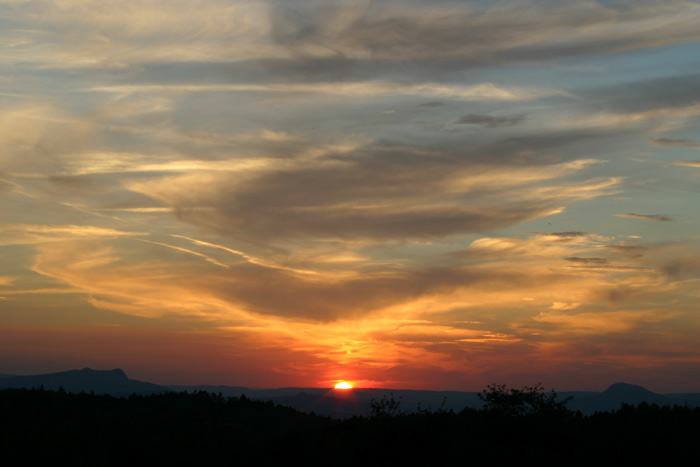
(185, 250)
(686, 163)
(675, 143)
(636, 97)
(489, 121)
(588, 260)
(651, 217)
(479, 33)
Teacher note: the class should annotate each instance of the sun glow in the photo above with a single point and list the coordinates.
(343, 385)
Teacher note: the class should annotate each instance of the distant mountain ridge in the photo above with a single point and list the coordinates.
(113, 382)
(618, 394)
(334, 403)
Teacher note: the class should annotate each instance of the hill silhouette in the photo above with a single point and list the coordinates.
(631, 394)
(113, 382)
(616, 395)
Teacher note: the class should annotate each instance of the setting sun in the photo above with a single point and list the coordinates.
(343, 385)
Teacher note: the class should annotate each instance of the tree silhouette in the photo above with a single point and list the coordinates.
(385, 408)
(528, 400)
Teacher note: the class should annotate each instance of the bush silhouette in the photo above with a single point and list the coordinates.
(385, 408)
(528, 400)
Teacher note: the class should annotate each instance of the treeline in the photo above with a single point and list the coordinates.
(58, 428)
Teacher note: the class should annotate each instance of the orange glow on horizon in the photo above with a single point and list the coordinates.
(343, 385)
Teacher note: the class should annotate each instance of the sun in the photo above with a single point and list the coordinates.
(343, 385)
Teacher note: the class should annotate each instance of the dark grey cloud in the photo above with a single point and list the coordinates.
(543, 147)
(651, 217)
(320, 204)
(675, 143)
(584, 260)
(567, 234)
(376, 192)
(620, 293)
(645, 95)
(489, 121)
(686, 268)
(381, 191)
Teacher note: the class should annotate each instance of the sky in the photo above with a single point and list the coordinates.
(400, 194)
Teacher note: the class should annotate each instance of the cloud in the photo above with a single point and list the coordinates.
(37, 138)
(432, 104)
(675, 143)
(564, 236)
(545, 146)
(295, 42)
(483, 91)
(27, 234)
(683, 268)
(489, 121)
(478, 33)
(651, 217)
(185, 250)
(638, 97)
(6, 281)
(597, 323)
(654, 120)
(189, 285)
(145, 279)
(686, 163)
(105, 36)
(375, 193)
(631, 250)
(593, 261)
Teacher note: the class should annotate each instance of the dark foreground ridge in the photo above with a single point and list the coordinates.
(43, 427)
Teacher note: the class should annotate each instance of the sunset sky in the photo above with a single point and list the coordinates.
(399, 193)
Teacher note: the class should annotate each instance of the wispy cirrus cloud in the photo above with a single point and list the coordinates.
(483, 91)
(24, 234)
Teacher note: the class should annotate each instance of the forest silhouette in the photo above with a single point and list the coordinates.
(514, 426)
